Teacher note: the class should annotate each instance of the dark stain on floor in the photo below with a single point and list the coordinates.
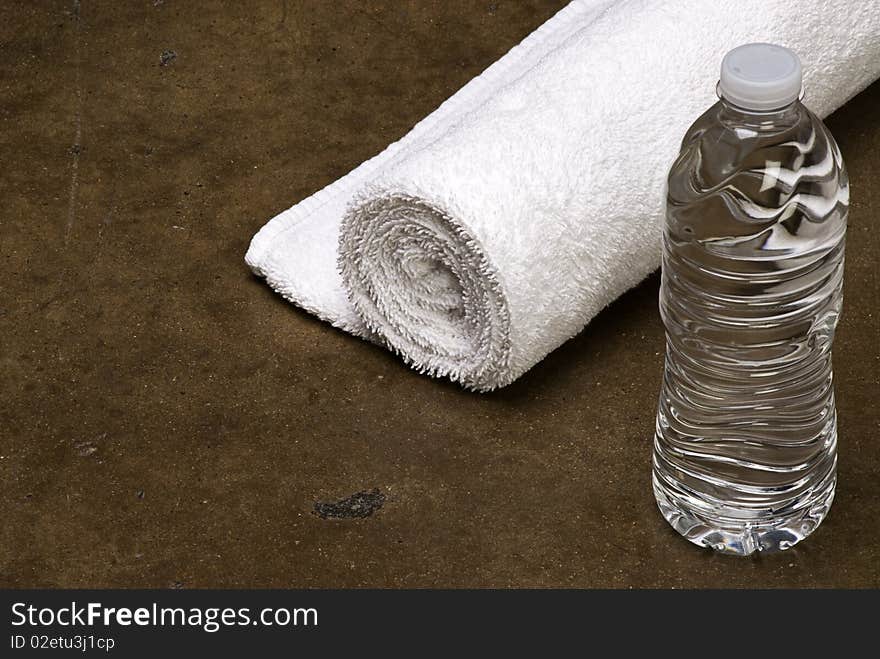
(167, 57)
(358, 505)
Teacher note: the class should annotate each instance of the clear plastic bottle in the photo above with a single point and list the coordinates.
(745, 449)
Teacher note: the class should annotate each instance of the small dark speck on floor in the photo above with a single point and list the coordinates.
(167, 57)
(359, 504)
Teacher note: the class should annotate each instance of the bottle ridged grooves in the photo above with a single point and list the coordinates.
(745, 444)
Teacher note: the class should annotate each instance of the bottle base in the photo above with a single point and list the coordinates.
(741, 537)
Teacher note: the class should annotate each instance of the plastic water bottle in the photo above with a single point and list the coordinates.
(745, 450)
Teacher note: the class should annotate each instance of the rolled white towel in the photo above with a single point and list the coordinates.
(510, 216)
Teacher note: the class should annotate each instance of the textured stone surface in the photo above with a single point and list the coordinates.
(167, 421)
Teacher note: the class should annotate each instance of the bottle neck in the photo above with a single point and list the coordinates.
(759, 120)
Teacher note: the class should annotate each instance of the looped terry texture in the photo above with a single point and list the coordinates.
(423, 284)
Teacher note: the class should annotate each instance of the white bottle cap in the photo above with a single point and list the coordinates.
(760, 76)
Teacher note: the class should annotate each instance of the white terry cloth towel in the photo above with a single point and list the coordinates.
(509, 217)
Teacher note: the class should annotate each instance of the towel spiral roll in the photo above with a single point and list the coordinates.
(423, 284)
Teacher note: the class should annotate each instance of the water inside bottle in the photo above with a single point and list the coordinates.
(746, 435)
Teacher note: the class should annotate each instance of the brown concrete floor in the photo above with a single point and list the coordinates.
(167, 421)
